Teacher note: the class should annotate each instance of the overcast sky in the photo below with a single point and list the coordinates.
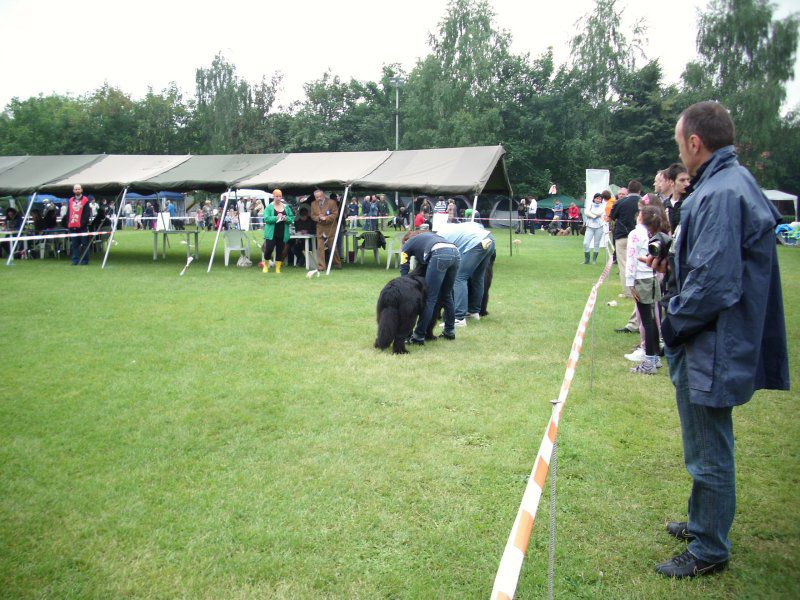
(74, 46)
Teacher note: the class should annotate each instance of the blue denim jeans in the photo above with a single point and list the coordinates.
(469, 281)
(708, 454)
(439, 280)
(79, 245)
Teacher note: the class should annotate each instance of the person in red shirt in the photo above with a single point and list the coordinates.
(77, 221)
(574, 214)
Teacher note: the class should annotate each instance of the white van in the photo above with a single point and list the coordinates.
(265, 197)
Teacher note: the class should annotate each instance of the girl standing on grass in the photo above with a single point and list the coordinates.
(644, 286)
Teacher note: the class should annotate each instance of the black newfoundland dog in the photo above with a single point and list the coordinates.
(399, 305)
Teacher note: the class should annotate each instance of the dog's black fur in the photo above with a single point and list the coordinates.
(487, 283)
(399, 305)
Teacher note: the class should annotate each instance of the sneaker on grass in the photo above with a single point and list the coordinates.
(637, 355)
(461, 322)
(645, 368)
(476, 316)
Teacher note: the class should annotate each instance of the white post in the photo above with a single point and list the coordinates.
(219, 228)
(114, 227)
(474, 208)
(21, 227)
(334, 249)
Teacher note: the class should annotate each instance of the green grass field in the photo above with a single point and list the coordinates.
(236, 435)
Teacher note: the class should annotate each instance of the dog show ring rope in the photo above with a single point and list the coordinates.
(505, 583)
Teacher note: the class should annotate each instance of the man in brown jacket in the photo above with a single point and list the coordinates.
(325, 213)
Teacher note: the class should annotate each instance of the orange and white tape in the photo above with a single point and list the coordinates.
(505, 583)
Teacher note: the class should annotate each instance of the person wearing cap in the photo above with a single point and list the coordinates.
(277, 218)
(77, 221)
(325, 212)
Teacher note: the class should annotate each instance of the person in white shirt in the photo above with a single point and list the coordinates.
(533, 206)
(640, 279)
(594, 217)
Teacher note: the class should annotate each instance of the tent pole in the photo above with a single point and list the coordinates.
(474, 208)
(412, 216)
(21, 227)
(335, 248)
(510, 235)
(114, 226)
(219, 228)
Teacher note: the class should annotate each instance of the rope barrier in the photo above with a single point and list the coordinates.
(505, 583)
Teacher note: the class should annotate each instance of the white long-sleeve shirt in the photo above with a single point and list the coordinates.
(637, 247)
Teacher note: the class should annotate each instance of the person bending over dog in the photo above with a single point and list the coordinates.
(441, 260)
(476, 246)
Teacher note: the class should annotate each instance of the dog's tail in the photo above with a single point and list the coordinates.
(388, 320)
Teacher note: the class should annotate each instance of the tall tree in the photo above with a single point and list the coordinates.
(746, 57)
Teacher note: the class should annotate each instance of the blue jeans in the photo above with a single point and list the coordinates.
(439, 280)
(469, 281)
(79, 248)
(708, 454)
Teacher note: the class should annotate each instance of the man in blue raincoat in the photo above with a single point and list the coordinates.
(724, 329)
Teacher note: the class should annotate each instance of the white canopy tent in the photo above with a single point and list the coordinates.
(776, 196)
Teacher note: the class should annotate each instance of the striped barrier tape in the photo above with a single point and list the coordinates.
(505, 583)
(27, 238)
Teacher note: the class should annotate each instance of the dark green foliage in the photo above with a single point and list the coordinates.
(607, 108)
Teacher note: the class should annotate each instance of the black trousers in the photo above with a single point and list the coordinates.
(647, 319)
(270, 245)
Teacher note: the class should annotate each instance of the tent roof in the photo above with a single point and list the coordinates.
(6, 162)
(116, 171)
(441, 171)
(776, 195)
(31, 174)
(329, 169)
(435, 171)
(213, 173)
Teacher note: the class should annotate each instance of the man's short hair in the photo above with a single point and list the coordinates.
(634, 186)
(671, 173)
(711, 122)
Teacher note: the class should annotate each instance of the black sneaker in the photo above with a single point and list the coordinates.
(680, 530)
(688, 565)
(623, 330)
(448, 336)
(415, 341)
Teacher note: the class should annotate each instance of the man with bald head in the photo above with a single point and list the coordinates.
(77, 221)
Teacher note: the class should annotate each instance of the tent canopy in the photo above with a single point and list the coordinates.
(328, 169)
(448, 171)
(441, 171)
(212, 173)
(29, 175)
(117, 171)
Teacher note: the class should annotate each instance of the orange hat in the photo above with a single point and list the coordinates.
(278, 193)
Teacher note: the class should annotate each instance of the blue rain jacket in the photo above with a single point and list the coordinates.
(728, 312)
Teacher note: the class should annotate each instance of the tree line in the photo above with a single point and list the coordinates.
(607, 107)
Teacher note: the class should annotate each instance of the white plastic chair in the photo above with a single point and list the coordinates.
(236, 240)
(395, 249)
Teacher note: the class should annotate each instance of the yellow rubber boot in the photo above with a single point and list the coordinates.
(278, 266)
(265, 268)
